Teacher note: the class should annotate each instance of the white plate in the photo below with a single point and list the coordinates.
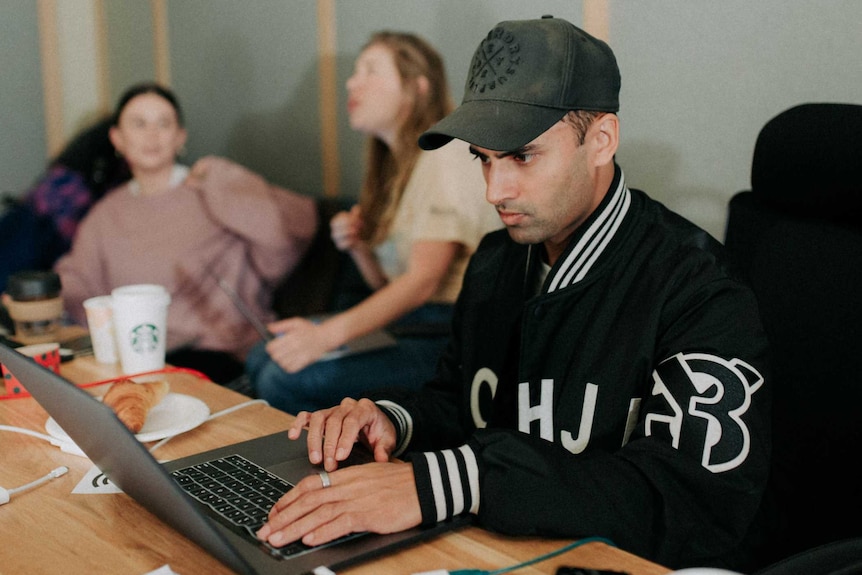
(175, 414)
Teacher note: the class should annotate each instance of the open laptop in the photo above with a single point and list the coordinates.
(377, 339)
(95, 428)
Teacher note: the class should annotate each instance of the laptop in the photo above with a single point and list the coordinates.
(377, 339)
(162, 490)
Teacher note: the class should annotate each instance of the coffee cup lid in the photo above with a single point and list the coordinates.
(34, 284)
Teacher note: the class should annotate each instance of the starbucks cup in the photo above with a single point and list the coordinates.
(140, 326)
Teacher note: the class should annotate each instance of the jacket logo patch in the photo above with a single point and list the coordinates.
(706, 398)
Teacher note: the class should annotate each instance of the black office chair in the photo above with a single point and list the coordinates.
(836, 558)
(325, 280)
(797, 234)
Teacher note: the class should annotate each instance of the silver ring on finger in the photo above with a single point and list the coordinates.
(324, 478)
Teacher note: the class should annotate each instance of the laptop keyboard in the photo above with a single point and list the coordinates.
(241, 493)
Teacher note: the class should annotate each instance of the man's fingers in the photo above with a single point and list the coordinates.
(336, 527)
(314, 529)
(376, 497)
(301, 512)
(381, 453)
(335, 433)
(316, 431)
(299, 423)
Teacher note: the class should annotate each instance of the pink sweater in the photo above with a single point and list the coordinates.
(237, 225)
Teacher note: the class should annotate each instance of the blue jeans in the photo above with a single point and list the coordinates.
(408, 364)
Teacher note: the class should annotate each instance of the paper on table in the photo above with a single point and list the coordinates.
(94, 481)
(163, 570)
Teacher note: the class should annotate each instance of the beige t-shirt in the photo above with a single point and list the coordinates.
(444, 201)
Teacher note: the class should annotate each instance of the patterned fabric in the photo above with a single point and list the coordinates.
(62, 196)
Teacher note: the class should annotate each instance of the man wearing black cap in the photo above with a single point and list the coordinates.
(606, 373)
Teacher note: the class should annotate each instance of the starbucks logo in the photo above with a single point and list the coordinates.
(145, 338)
(496, 60)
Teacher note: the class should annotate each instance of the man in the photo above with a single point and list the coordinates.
(605, 375)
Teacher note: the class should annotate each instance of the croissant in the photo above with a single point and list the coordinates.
(132, 401)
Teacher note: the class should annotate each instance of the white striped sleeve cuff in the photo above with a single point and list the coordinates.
(447, 483)
(403, 424)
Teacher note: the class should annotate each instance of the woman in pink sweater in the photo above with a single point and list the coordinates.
(186, 229)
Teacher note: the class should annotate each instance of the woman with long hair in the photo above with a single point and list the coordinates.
(419, 218)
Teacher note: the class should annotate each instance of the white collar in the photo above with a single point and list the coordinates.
(178, 174)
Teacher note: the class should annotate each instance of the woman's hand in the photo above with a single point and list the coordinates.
(345, 229)
(199, 171)
(298, 343)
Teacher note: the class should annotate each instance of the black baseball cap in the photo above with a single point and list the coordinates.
(524, 77)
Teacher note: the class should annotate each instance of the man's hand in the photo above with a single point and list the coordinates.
(375, 497)
(333, 432)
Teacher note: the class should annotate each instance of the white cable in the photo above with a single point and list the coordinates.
(54, 474)
(26, 432)
(213, 416)
(61, 444)
(67, 446)
(236, 407)
(5, 494)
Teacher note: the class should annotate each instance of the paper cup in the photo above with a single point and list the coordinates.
(46, 354)
(140, 326)
(100, 322)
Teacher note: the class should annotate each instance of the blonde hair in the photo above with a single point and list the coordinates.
(387, 173)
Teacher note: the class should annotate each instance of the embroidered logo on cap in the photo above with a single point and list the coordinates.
(496, 60)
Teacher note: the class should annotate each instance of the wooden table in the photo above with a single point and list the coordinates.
(49, 530)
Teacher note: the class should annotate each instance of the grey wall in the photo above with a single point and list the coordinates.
(247, 74)
(130, 39)
(22, 126)
(699, 80)
(248, 78)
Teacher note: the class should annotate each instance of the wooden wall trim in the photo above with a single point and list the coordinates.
(596, 18)
(161, 43)
(328, 78)
(52, 85)
(103, 75)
